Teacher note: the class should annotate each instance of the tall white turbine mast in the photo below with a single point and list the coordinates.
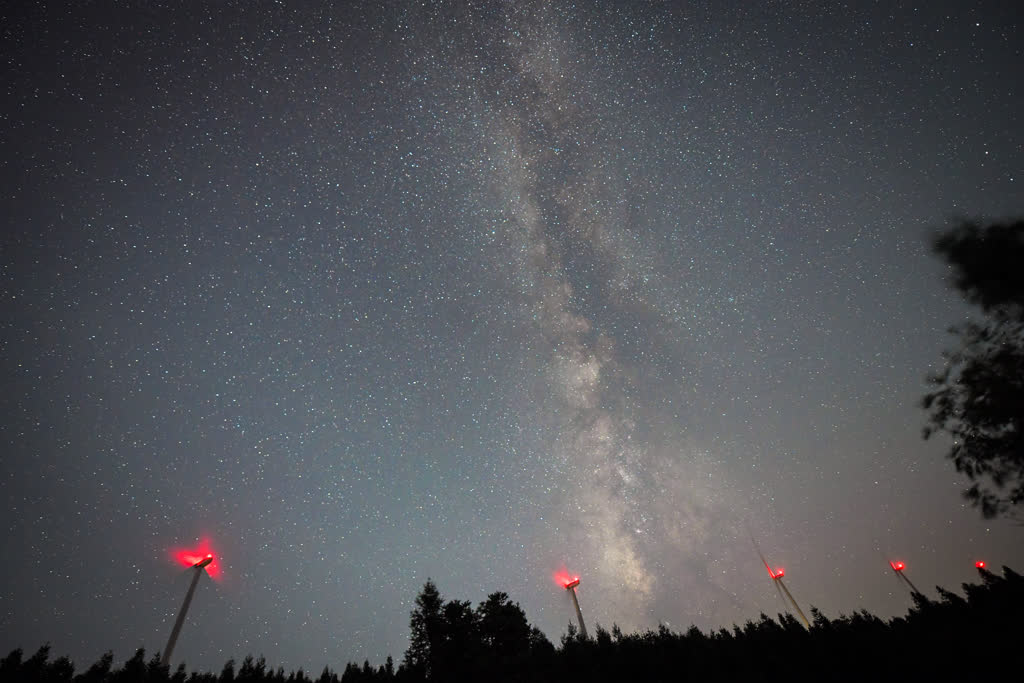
(198, 568)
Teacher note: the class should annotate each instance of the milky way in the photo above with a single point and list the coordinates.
(560, 203)
(357, 296)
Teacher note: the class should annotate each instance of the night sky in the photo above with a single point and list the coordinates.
(362, 294)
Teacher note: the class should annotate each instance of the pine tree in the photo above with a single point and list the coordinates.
(426, 626)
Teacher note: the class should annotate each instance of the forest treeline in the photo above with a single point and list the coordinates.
(974, 635)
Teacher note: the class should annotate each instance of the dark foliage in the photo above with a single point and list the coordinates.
(979, 397)
(969, 637)
(986, 264)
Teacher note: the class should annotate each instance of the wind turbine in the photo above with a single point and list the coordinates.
(777, 575)
(569, 583)
(198, 568)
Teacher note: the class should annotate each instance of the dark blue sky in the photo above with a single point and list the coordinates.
(475, 290)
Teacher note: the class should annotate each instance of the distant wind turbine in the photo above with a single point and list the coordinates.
(777, 575)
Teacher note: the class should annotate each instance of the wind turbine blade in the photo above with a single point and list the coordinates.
(785, 605)
(796, 607)
(910, 583)
(761, 555)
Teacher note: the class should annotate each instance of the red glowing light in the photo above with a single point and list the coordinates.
(896, 566)
(778, 573)
(201, 556)
(564, 579)
(980, 564)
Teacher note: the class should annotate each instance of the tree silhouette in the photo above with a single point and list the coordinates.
(426, 625)
(227, 674)
(459, 646)
(504, 630)
(134, 669)
(251, 671)
(978, 398)
(973, 636)
(99, 671)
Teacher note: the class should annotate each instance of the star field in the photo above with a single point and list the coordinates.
(474, 291)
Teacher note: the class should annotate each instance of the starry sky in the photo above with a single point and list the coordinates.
(359, 294)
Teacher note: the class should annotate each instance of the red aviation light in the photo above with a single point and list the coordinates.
(566, 580)
(980, 564)
(201, 557)
(897, 566)
(779, 573)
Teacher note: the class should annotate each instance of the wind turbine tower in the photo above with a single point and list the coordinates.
(898, 568)
(570, 585)
(198, 567)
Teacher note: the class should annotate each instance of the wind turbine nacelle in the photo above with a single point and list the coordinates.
(203, 562)
(897, 566)
(572, 584)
